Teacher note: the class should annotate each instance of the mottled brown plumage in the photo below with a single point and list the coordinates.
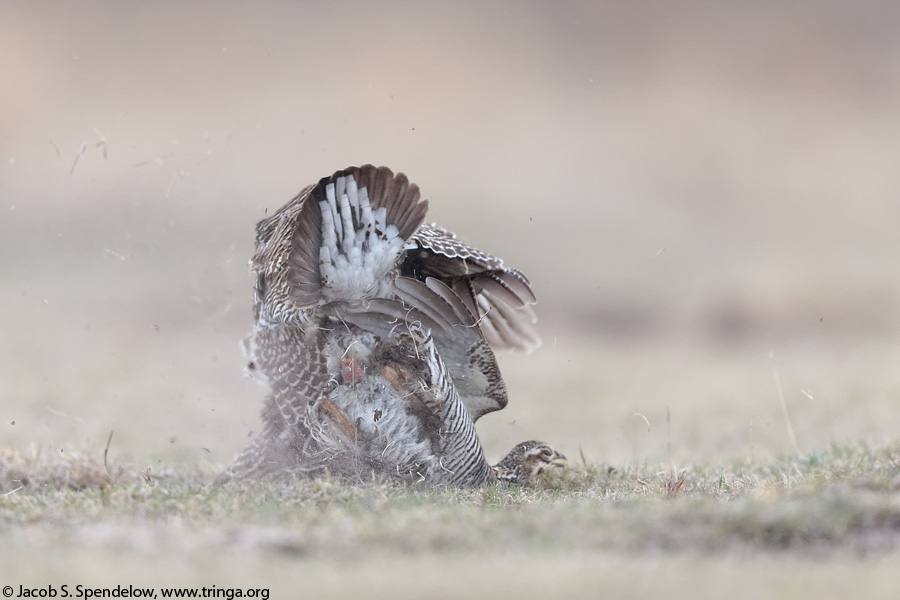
(374, 332)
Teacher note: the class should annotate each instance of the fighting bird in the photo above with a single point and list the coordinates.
(374, 333)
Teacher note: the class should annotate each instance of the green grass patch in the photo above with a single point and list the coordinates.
(844, 498)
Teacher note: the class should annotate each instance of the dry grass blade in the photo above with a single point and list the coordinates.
(106, 453)
(673, 483)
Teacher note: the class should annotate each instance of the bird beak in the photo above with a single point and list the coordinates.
(560, 460)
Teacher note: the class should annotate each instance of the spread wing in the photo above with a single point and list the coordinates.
(500, 298)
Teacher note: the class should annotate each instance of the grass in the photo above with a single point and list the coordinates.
(70, 518)
(843, 499)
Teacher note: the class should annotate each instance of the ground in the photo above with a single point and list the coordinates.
(826, 523)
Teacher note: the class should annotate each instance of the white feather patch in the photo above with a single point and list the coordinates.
(358, 248)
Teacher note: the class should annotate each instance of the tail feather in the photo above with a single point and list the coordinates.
(350, 233)
(395, 193)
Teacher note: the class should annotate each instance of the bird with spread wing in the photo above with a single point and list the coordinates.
(374, 332)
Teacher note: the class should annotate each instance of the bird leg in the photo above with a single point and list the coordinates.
(338, 416)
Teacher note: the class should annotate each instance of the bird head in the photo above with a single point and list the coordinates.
(527, 461)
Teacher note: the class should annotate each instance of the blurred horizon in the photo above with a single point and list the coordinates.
(699, 193)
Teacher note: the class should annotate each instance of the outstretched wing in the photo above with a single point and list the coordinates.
(498, 297)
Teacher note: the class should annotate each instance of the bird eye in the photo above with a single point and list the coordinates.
(546, 452)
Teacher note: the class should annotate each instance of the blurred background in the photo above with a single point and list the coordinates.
(705, 197)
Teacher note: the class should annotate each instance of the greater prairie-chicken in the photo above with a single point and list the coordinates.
(374, 334)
